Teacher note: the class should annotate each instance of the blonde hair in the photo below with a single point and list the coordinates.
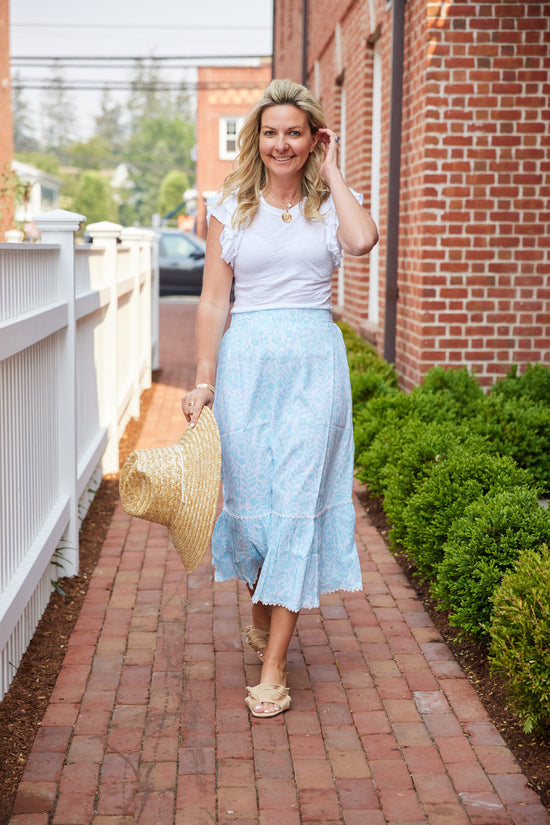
(250, 176)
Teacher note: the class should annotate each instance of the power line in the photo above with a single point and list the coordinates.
(185, 26)
(94, 66)
(122, 85)
(32, 60)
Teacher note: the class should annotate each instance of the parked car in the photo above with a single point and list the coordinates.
(181, 262)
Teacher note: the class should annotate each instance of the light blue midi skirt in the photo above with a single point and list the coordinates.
(283, 407)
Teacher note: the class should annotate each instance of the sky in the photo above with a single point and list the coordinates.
(129, 28)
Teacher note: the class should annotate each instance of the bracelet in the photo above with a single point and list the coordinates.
(206, 387)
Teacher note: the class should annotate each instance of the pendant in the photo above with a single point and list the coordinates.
(286, 216)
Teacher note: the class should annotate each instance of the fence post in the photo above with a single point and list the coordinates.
(105, 235)
(155, 293)
(150, 262)
(132, 238)
(58, 227)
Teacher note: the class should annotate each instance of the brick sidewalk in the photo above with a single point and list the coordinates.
(147, 722)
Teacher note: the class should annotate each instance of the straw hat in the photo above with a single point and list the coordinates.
(178, 486)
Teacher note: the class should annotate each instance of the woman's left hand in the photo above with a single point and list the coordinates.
(194, 401)
(330, 141)
(357, 232)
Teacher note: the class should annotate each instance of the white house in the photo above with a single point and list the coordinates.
(43, 196)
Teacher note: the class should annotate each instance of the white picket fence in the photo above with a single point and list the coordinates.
(78, 342)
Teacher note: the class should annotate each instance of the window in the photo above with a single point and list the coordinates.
(48, 195)
(229, 130)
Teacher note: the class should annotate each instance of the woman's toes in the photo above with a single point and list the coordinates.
(266, 707)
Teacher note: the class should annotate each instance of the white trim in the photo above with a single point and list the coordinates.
(341, 300)
(376, 159)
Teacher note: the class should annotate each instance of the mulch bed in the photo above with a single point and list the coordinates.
(23, 707)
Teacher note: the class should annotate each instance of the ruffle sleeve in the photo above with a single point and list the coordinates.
(331, 228)
(230, 238)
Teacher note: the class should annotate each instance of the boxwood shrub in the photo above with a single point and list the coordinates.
(482, 545)
(422, 446)
(370, 374)
(465, 475)
(460, 473)
(458, 392)
(380, 420)
(386, 426)
(518, 427)
(520, 637)
(533, 383)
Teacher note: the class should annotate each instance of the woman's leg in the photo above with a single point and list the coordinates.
(283, 624)
(261, 613)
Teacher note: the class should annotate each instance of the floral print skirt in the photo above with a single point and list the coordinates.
(283, 407)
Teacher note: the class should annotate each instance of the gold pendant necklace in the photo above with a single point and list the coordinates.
(286, 216)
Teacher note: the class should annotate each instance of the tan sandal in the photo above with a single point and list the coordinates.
(257, 639)
(274, 694)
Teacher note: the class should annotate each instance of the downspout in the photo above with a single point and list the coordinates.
(304, 41)
(273, 41)
(394, 179)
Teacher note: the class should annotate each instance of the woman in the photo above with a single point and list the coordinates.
(283, 401)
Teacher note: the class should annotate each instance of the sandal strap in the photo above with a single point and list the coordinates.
(265, 692)
(256, 637)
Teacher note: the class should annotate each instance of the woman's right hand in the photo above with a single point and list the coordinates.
(193, 402)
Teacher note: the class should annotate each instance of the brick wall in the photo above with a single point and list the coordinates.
(223, 91)
(474, 260)
(6, 128)
(340, 70)
(287, 35)
(475, 251)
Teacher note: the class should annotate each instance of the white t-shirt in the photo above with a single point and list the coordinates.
(280, 265)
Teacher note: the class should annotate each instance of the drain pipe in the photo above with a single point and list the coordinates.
(273, 37)
(304, 41)
(394, 180)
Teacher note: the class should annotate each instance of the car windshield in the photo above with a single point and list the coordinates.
(177, 246)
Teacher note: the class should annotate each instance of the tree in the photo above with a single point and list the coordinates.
(95, 153)
(109, 124)
(23, 139)
(14, 192)
(172, 187)
(93, 198)
(183, 106)
(47, 162)
(147, 101)
(58, 113)
(159, 145)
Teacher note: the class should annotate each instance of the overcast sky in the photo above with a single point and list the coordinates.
(130, 28)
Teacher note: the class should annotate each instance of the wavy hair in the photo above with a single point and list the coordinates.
(250, 176)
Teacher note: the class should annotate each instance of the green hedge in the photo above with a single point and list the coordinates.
(467, 475)
(520, 637)
(460, 472)
(518, 426)
(481, 546)
(369, 374)
(533, 384)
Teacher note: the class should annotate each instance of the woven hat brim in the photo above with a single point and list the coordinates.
(178, 487)
(191, 526)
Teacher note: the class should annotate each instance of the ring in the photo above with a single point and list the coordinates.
(190, 403)
(337, 140)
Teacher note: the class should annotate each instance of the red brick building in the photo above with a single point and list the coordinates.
(225, 95)
(6, 128)
(444, 112)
